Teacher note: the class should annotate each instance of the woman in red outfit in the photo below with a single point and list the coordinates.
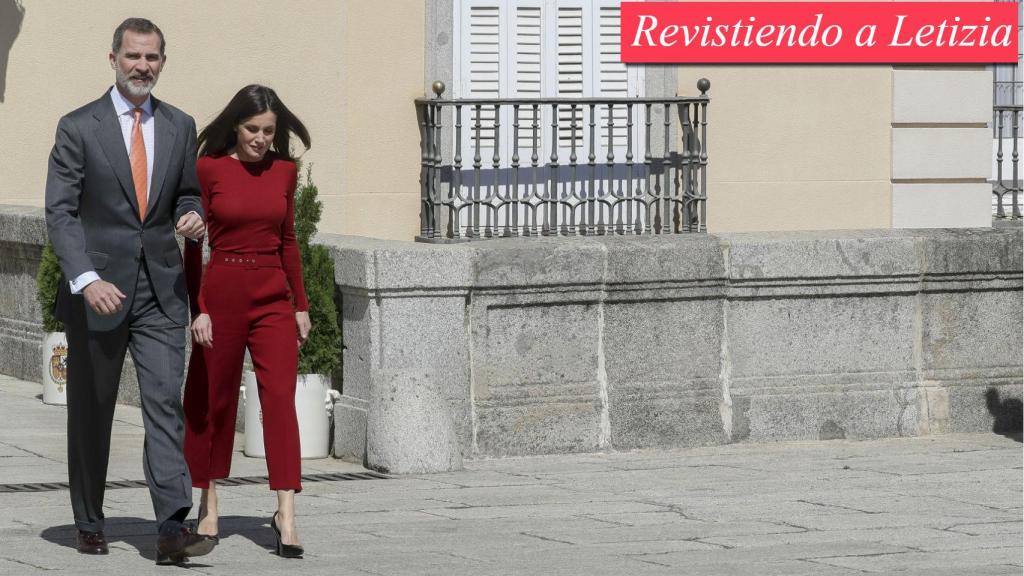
(251, 296)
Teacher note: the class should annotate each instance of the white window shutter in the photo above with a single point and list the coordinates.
(527, 78)
(544, 48)
(483, 65)
(571, 77)
(612, 77)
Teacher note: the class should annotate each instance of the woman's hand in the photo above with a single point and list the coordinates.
(303, 325)
(202, 331)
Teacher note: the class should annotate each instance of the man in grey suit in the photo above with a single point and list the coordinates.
(121, 182)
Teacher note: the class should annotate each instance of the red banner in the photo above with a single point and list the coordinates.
(819, 32)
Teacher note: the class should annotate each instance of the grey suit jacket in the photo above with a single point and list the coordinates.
(92, 216)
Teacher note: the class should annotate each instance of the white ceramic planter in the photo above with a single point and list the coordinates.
(314, 403)
(55, 368)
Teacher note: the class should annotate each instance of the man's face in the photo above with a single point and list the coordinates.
(138, 63)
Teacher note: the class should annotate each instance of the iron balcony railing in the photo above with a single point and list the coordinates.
(1006, 187)
(567, 166)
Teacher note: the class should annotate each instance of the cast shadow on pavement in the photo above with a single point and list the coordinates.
(140, 535)
(1006, 414)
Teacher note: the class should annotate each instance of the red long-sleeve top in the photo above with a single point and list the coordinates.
(250, 208)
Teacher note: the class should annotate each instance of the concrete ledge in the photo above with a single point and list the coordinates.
(573, 345)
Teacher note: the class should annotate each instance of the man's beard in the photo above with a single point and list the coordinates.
(138, 90)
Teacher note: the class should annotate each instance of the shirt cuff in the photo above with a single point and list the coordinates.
(78, 284)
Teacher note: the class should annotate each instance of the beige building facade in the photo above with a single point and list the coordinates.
(350, 85)
(790, 147)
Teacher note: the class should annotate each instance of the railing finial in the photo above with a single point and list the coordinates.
(438, 88)
(703, 85)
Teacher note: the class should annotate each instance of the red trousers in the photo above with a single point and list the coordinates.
(249, 307)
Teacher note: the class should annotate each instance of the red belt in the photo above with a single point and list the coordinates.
(251, 260)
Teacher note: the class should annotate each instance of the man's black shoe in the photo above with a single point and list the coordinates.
(175, 547)
(92, 543)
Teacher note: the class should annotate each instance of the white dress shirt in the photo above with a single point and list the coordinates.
(124, 109)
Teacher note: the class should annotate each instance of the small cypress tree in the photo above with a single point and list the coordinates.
(47, 278)
(321, 354)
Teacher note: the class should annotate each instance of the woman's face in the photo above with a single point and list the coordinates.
(255, 134)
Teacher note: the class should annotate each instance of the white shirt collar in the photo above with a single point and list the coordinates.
(123, 106)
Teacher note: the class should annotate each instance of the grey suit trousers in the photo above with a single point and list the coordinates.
(95, 360)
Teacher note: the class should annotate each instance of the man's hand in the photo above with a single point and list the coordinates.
(202, 331)
(103, 297)
(303, 325)
(191, 226)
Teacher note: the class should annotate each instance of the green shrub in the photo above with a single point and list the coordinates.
(321, 354)
(46, 288)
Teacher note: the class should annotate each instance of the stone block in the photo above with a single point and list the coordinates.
(928, 153)
(350, 429)
(672, 258)
(353, 261)
(772, 341)
(535, 377)
(971, 336)
(935, 410)
(973, 250)
(510, 263)
(21, 349)
(941, 205)
(814, 255)
(520, 346)
(425, 332)
(22, 225)
(360, 328)
(399, 265)
(985, 408)
(941, 96)
(540, 425)
(839, 414)
(430, 334)
(19, 264)
(409, 425)
(663, 361)
(368, 264)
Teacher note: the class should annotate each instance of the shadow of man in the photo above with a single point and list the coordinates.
(12, 13)
(1006, 414)
(137, 533)
(140, 534)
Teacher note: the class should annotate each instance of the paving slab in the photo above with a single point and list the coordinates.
(928, 506)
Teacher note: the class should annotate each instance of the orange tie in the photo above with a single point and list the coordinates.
(138, 161)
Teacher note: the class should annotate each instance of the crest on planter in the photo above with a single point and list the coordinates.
(59, 366)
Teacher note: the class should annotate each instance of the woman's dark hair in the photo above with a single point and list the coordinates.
(219, 136)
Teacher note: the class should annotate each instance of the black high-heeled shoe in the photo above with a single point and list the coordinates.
(284, 550)
(214, 537)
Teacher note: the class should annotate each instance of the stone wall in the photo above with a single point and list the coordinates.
(536, 346)
(22, 235)
(513, 347)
